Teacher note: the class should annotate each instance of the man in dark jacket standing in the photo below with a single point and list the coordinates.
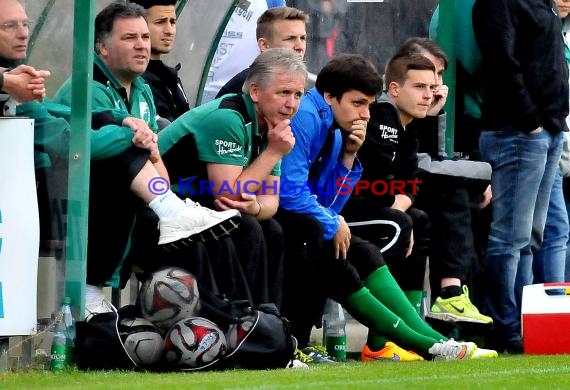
(525, 102)
(167, 91)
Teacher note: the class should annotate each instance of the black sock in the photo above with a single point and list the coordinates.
(451, 291)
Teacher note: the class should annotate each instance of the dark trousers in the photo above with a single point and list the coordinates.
(458, 225)
(303, 293)
(258, 244)
(259, 247)
(391, 230)
(215, 264)
(112, 210)
(312, 273)
(345, 277)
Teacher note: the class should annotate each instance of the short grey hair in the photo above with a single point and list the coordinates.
(271, 62)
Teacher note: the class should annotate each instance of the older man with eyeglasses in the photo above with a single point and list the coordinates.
(20, 82)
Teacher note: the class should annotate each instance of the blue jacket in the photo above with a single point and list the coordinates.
(313, 182)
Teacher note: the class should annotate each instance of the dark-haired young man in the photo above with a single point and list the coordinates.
(398, 121)
(329, 129)
(384, 213)
(169, 96)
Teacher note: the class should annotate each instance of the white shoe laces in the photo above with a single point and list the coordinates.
(447, 348)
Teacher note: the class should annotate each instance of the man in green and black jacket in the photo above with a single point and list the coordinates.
(123, 184)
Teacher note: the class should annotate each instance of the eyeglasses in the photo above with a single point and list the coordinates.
(12, 25)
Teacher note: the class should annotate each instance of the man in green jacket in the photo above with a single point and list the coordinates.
(123, 184)
(123, 48)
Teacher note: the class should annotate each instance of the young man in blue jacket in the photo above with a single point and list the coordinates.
(381, 209)
(317, 179)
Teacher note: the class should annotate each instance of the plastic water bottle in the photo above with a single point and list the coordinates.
(425, 307)
(69, 322)
(58, 356)
(334, 330)
(63, 342)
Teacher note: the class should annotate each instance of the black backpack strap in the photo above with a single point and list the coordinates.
(98, 344)
(222, 308)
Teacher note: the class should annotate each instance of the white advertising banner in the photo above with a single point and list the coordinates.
(237, 48)
(19, 228)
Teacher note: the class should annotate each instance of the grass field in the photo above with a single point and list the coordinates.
(507, 372)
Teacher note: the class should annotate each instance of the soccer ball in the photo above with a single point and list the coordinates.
(237, 332)
(194, 343)
(169, 295)
(142, 340)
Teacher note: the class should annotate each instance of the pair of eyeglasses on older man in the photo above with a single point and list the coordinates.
(13, 25)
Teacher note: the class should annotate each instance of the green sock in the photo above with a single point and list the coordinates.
(415, 298)
(375, 340)
(382, 285)
(364, 307)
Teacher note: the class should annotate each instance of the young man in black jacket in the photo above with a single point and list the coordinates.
(453, 191)
(167, 91)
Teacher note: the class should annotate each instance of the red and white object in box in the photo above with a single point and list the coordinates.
(546, 319)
